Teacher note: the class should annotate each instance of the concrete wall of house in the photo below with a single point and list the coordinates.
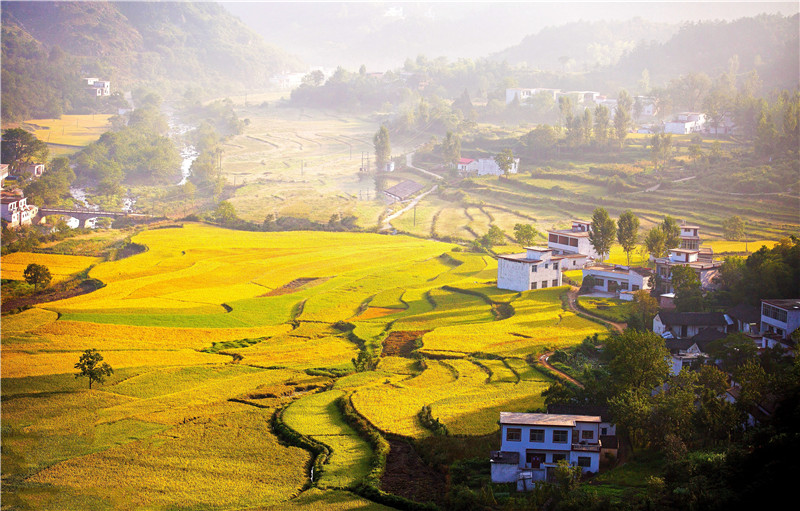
(549, 446)
(791, 324)
(504, 473)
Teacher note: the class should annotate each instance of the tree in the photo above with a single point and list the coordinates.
(225, 213)
(602, 122)
(628, 232)
(660, 149)
(672, 233)
(21, 147)
(451, 148)
(603, 232)
(37, 275)
(91, 367)
(383, 148)
(505, 160)
(643, 310)
(525, 234)
(733, 228)
(622, 116)
(638, 361)
(495, 236)
(688, 292)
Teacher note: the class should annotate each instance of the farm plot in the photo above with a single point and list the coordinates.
(209, 331)
(61, 267)
(317, 416)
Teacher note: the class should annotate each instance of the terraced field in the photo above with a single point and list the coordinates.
(211, 331)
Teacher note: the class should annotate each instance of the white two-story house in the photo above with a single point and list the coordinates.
(534, 269)
(534, 443)
(16, 210)
(574, 240)
(779, 318)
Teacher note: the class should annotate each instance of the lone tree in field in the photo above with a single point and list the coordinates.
(383, 148)
(603, 232)
(628, 232)
(525, 234)
(91, 367)
(733, 228)
(505, 161)
(37, 275)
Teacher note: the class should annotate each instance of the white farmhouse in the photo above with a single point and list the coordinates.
(532, 444)
(685, 123)
(16, 210)
(617, 279)
(534, 269)
(488, 166)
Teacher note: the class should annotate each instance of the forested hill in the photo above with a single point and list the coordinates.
(170, 45)
(767, 44)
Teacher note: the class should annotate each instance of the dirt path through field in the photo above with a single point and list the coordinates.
(572, 296)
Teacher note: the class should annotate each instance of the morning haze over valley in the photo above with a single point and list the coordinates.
(399, 255)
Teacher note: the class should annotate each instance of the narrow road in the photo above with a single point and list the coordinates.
(572, 296)
(409, 157)
(388, 219)
(543, 360)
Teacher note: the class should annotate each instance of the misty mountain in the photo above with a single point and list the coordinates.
(168, 45)
(765, 43)
(584, 45)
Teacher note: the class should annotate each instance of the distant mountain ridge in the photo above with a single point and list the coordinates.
(165, 45)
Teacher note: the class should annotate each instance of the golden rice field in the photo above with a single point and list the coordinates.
(211, 331)
(61, 267)
(70, 130)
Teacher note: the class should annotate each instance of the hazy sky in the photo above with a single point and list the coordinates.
(333, 33)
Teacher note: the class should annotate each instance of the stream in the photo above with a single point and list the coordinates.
(188, 155)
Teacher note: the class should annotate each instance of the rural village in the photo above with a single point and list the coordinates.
(325, 289)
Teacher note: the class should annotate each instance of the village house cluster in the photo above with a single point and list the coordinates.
(534, 443)
(15, 208)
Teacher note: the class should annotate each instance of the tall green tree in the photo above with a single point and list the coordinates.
(622, 116)
(602, 233)
(451, 148)
(505, 160)
(525, 234)
(733, 228)
(602, 124)
(638, 361)
(383, 147)
(672, 232)
(628, 232)
(655, 243)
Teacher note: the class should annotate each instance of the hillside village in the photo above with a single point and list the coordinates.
(371, 290)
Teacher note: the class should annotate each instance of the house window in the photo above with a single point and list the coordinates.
(603, 431)
(537, 435)
(684, 331)
(558, 457)
(555, 282)
(514, 434)
(587, 435)
(533, 285)
(635, 288)
(533, 268)
(584, 461)
(599, 282)
(623, 285)
(573, 262)
(544, 284)
(553, 238)
(545, 266)
(555, 266)
(560, 436)
(573, 242)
